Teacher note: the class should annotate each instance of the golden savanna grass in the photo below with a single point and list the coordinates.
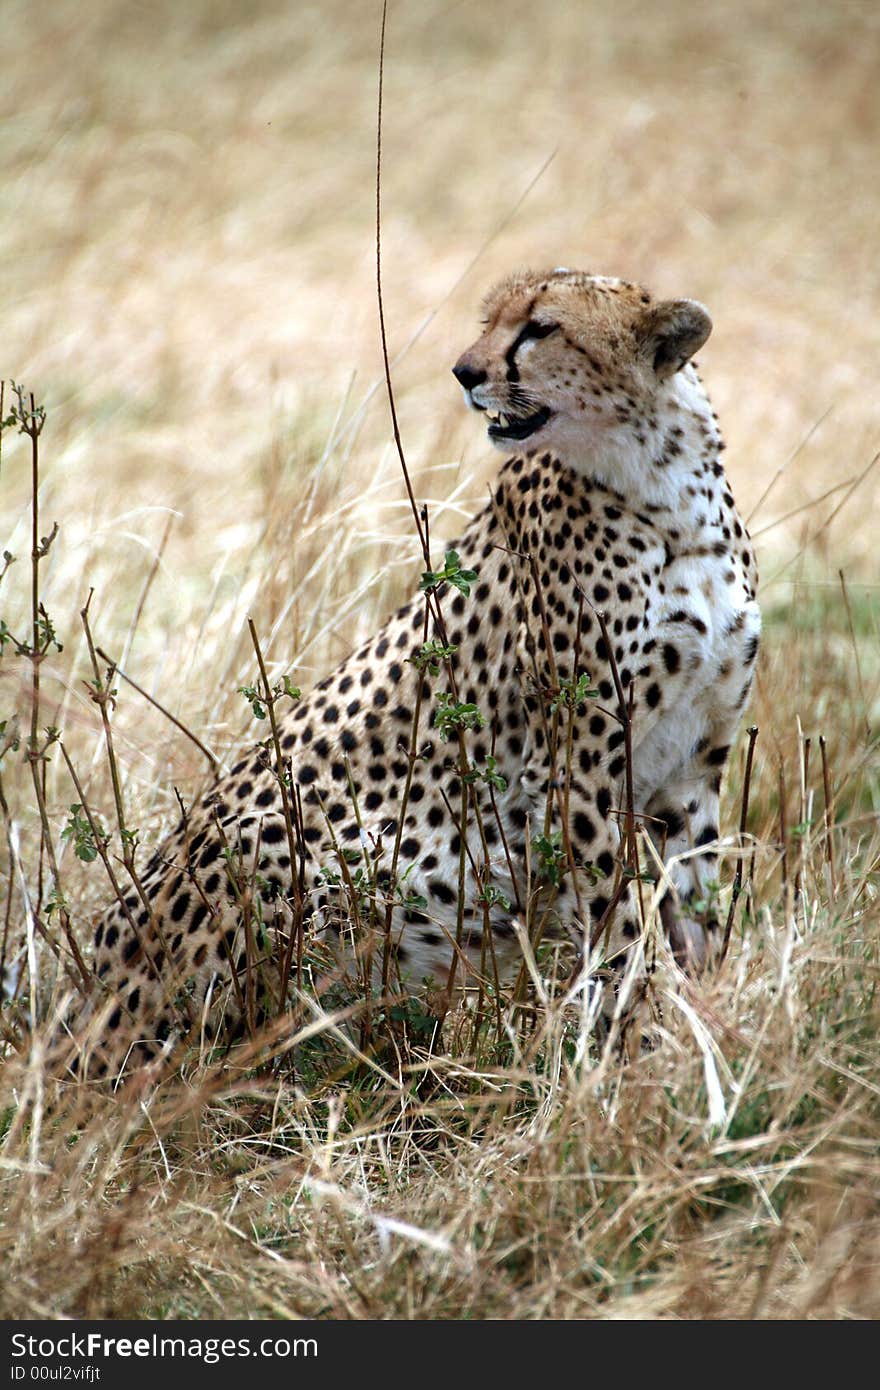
(189, 289)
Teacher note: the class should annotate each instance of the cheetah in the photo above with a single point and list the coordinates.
(602, 599)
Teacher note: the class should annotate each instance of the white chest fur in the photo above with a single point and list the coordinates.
(707, 626)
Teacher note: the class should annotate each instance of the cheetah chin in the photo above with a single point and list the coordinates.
(610, 560)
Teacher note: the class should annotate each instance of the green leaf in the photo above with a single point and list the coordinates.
(452, 714)
(451, 573)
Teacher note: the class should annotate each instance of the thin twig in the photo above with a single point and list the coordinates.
(828, 813)
(396, 428)
(782, 467)
(743, 819)
(852, 633)
(216, 765)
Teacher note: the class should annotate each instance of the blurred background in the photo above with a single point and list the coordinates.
(187, 232)
(187, 205)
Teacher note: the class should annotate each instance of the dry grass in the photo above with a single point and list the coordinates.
(188, 241)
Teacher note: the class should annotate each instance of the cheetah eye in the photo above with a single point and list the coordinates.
(530, 330)
(534, 329)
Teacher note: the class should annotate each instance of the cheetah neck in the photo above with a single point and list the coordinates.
(667, 465)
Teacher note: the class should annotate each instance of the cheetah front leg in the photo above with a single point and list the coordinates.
(590, 905)
(682, 819)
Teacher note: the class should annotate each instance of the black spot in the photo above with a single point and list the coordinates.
(673, 821)
(441, 890)
(671, 658)
(198, 917)
(584, 828)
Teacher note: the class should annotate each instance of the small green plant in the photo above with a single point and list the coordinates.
(491, 896)
(46, 637)
(430, 656)
(451, 573)
(452, 714)
(803, 828)
(415, 1018)
(257, 700)
(9, 742)
(79, 831)
(550, 854)
(573, 692)
(489, 774)
(407, 896)
(629, 873)
(29, 418)
(709, 902)
(56, 902)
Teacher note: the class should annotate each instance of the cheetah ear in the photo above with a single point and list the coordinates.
(674, 331)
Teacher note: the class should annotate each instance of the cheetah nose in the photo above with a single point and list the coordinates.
(467, 376)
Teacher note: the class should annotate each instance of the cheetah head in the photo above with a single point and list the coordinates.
(573, 361)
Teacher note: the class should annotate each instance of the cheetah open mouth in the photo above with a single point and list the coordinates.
(509, 427)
